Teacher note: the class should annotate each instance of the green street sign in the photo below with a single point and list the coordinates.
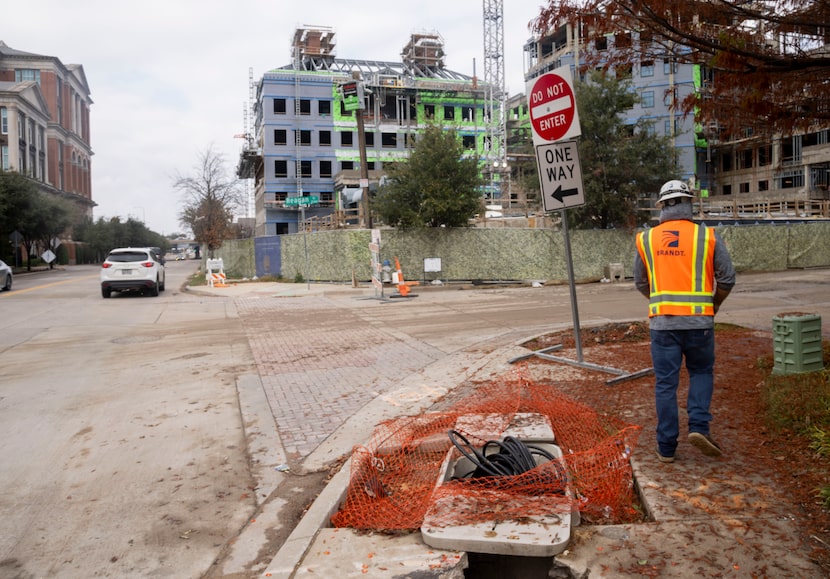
(302, 201)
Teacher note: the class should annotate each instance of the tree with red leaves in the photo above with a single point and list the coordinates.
(765, 63)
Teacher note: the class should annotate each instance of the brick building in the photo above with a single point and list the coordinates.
(45, 125)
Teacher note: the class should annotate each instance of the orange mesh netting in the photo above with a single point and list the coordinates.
(394, 477)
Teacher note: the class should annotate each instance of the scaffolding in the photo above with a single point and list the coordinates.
(313, 46)
(424, 50)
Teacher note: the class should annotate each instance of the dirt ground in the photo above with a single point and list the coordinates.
(739, 423)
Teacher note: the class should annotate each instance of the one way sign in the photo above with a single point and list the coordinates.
(560, 175)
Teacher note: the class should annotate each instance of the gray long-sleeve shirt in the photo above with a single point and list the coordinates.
(724, 278)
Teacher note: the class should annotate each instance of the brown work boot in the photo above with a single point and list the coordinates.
(664, 458)
(705, 444)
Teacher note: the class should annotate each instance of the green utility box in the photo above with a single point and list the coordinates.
(797, 343)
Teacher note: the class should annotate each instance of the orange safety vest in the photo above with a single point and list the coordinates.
(678, 256)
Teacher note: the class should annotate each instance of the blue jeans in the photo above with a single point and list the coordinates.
(668, 348)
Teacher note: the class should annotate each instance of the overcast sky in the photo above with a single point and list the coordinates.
(170, 78)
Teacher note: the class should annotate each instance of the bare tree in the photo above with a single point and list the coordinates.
(765, 64)
(210, 199)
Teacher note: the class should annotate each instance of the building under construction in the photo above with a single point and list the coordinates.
(304, 142)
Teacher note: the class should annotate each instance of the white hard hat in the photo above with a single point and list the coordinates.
(673, 189)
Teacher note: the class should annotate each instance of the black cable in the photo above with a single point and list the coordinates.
(512, 458)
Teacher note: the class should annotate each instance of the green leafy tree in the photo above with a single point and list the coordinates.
(437, 186)
(105, 234)
(210, 198)
(620, 163)
(53, 217)
(17, 196)
(37, 216)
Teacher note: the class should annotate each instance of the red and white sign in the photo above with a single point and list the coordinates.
(553, 113)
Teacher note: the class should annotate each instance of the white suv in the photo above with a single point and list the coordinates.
(132, 269)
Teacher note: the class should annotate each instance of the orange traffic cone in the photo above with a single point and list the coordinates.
(403, 286)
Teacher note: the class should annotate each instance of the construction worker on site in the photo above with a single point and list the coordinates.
(685, 271)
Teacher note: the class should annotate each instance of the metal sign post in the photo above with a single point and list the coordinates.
(572, 285)
(554, 118)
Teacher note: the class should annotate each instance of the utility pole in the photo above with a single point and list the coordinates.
(353, 101)
(365, 216)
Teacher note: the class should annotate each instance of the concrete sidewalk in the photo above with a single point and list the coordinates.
(335, 360)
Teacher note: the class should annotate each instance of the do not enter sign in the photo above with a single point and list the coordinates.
(553, 113)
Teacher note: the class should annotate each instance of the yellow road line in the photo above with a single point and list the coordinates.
(53, 284)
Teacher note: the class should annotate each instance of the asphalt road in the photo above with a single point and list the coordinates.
(125, 440)
(121, 443)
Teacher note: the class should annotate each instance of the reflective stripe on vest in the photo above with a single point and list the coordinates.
(680, 268)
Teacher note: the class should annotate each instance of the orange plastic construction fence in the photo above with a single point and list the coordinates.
(394, 477)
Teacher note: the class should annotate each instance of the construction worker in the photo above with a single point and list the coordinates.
(685, 271)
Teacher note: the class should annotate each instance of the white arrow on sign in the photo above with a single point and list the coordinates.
(560, 175)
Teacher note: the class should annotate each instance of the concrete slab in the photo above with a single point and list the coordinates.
(541, 533)
(351, 553)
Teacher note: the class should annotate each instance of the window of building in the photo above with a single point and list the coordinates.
(325, 168)
(468, 114)
(4, 158)
(279, 106)
(601, 43)
(669, 66)
(346, 139)
(4, 121)
(763, 185)
(670, 97)
(280, 136)
(726, 161)
(22, 74)
(325, 138)
(326, 196)
(370, 139)
(280, 168)
(791, 150)
(790, 180)
(727, 189)
(346, 165)
(305, 107)
(370, 165)
(429, 111)
(667, 128)
(745, 159)
(305, 169)
(389, 140)
(468, 141)
(305, 137)
(280, 196)
(647, 99)
(449, 113)
(764, 155)
(624, 71)
(622, 40)
(647, 68)
(324, 108)
(743, 187)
